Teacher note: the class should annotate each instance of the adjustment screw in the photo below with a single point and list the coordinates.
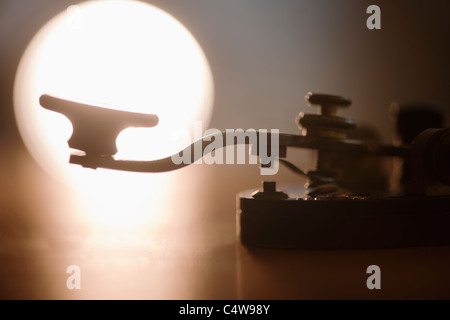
(328, 103)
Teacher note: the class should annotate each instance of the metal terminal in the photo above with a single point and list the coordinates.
(270, 192)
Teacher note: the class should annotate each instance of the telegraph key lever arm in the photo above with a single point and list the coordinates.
(96, 128)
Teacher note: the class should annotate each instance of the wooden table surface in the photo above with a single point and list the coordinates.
(185, 249)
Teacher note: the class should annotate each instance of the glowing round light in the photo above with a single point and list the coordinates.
(129, 55)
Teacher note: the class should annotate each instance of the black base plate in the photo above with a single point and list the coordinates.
(344, 223)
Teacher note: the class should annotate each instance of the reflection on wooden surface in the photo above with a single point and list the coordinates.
(191, 252)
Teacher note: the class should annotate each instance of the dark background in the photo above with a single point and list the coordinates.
(265, 55)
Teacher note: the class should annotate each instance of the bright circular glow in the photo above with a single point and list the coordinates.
(131, 56)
